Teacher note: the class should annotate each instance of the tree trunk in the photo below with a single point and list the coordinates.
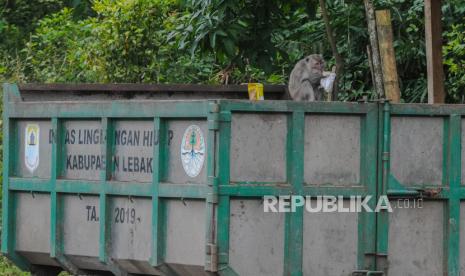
(332, 42)
(378, 73)
(433, 37)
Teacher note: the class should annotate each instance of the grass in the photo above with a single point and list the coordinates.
(7, 268)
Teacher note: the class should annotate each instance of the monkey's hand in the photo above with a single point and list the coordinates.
(326, 73)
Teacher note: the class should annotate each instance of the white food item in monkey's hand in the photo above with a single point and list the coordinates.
(328, 82)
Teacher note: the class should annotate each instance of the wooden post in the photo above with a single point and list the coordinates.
(388, 57)
(433, 36)
(371, 23)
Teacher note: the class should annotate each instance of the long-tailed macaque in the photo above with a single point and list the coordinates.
(305, 79)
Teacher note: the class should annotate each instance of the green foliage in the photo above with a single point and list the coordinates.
(215, 41)
(247, 34)
(17, 19)
(129, 36)
(126, 42)
(8, 269)
(454, 54)
(58, 51)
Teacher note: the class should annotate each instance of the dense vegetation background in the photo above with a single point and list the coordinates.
(216, 42)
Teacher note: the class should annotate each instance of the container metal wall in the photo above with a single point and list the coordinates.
(415, 240)
(258, 147)
(277, 148)
(257, 239)
(109, 190)
(423, 159)
(332, 150)
(162, 187)
(330, 243)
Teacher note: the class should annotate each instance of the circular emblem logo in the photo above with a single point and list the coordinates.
(192, 150)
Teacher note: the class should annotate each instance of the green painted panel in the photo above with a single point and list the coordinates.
(368, 174)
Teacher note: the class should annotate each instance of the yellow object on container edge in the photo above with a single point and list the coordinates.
(255, 91)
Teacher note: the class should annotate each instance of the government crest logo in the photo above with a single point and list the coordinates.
(192, 150)
(31, 148)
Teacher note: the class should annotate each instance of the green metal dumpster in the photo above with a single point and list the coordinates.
(169, 180)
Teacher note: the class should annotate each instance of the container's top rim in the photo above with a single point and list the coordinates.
(143, 87)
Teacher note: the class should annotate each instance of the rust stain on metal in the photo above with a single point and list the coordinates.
(431, 192)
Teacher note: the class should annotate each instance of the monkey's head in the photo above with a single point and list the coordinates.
(315, 65)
